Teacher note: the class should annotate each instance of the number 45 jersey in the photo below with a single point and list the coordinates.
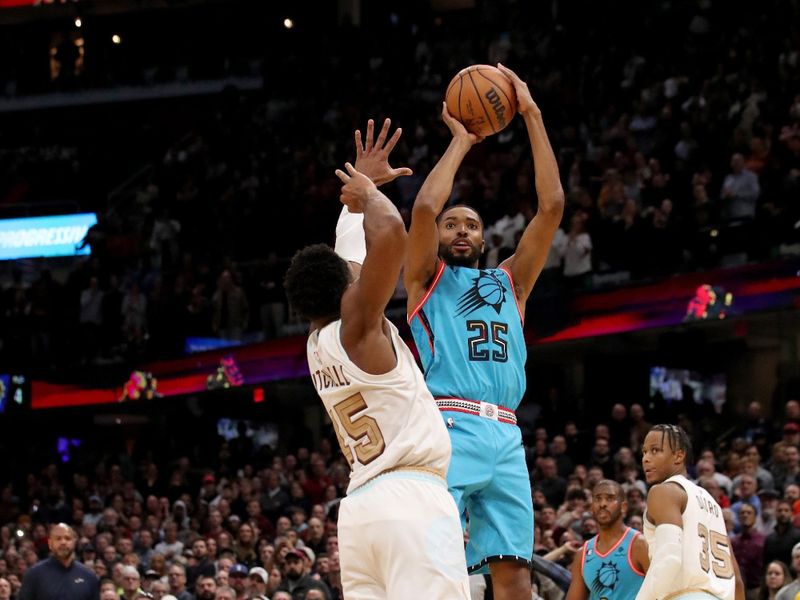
(383, 422)
(468, 330)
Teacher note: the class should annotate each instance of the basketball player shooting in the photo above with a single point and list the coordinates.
(612, 564)
(683, 525)
(399, 529)
(468, 327)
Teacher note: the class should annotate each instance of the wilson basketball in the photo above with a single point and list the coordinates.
(482, 98)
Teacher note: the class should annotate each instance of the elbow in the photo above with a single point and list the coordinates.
(552, 204)
(425, 206)
(394, 231)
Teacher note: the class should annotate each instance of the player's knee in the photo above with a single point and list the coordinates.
(511, 580)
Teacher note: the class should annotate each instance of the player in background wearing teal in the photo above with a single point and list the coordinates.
(468, 327)
(612, 564)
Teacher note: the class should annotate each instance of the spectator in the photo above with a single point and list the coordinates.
(775, 577)
(740, 191)
(298, 580)
(206, 588)
(747, 494)
(91, 317)
(601, 456)
(620, 427)
(225, 592)
(202, 567)
(258, 583)
(778, 545)
(788, 473)
(130, 583)
(171, 547)
(769, 509)
(578, 253)
(553, 486)
(748, 547)
(705, 469)
(5, 589)
(639, 427)
(231, 310)
(177, 582)
(237, 577)
(558, 451)
(792, 588)
(134, 316)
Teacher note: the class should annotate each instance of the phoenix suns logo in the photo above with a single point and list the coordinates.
(486, 290)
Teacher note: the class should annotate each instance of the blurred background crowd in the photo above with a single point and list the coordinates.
(205, 135)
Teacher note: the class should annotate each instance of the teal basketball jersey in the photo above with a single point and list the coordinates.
(469, 333)
(611, 576)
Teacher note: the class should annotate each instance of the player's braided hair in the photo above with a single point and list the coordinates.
(315, 282)
(677, 438)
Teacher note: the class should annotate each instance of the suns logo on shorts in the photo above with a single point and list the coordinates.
(486, 290)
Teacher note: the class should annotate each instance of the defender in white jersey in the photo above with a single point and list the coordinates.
(690, 553)
(399, 528)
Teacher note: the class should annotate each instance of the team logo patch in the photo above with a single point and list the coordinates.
(606, 579)
(486, 290)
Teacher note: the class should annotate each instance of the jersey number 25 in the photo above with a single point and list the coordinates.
(499, 351)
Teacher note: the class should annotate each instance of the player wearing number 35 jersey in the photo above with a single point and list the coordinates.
(690, 553)
(399, 530)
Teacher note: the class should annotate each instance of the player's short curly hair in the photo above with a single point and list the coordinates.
(316, 279)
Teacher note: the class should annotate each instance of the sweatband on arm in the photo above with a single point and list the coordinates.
(663, 576)
(350, 242)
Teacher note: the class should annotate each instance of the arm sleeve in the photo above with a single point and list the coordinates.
(667, 554)
(351, 244)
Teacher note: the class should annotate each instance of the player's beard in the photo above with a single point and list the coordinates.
(460, 260)
(613, 516)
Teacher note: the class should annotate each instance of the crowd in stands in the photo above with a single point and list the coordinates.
(677, 152)
(262, 523)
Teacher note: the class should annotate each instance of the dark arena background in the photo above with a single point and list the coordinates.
(162, 160)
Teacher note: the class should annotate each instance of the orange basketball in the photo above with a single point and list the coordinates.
(482, 98)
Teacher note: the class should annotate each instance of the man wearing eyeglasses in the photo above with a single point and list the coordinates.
(177, 582)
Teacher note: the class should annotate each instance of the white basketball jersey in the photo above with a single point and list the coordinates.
(382, 421)
(707, 563)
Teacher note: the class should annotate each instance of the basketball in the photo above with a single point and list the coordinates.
(482, 98)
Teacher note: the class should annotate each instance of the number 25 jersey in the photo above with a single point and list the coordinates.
(468, 331)
(385, 421)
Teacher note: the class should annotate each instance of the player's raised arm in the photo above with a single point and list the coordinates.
(531, 253)
(364, 302)
(423, 249)
(372, 159)
(665, 504)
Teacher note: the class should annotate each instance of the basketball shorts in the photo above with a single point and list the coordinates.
(489, 481)
(691, 594)
(400, 538)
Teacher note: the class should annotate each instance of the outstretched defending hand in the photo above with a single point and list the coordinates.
(372, 159)
(525, 103)
(457, 128)
(357, 190)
